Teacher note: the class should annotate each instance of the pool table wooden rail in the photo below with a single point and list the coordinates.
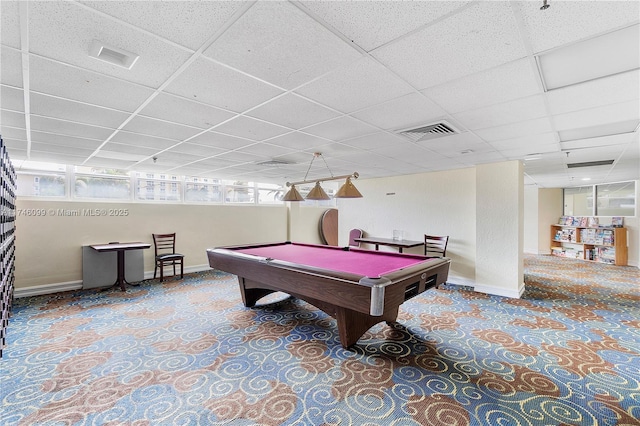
(349, 298)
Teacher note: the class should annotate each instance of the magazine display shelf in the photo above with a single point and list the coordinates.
(7, 239)
(596, 244)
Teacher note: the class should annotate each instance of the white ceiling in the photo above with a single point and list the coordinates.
(220, 87)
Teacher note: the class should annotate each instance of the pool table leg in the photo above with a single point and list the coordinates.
(352, 324)
(251, 295)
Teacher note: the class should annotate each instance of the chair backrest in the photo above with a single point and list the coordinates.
(353, 234)
(164, 243)
(435, 246)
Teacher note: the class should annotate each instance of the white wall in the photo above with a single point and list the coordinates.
(49, 248)
(441, 203)
(531, 228)
(542, 208)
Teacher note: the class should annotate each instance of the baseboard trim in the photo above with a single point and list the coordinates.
(500, 291)
(39, 290)
(458, 280)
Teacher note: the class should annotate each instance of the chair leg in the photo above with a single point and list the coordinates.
(155, 271)
(174, 268)
(181, 268)
(161, 272)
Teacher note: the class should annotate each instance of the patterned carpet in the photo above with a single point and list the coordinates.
(188, 353)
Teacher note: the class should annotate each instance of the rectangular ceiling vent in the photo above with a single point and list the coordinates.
(429, 131)
(590, 164)
(274, 163)
(113, 55)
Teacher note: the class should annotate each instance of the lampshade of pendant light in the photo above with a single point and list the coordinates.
(317, 193)
(348, 190)
(293, 195)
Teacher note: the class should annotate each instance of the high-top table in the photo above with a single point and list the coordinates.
(399, 244)
(120, 248)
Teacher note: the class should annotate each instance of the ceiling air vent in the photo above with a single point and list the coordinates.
(113, 55)
(429, 131)
(274, 163)
(590, 164)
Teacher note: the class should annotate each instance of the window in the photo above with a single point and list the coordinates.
(613, 199)
(616, 199)
(158, 187)
(239, 192)
(42, 180)
(270, 193)
(204, 190)
(100, 183)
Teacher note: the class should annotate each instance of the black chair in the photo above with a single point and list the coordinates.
(435, 246)
(353, 234)
(165, 247)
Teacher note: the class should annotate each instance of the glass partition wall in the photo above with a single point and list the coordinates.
(612, 199)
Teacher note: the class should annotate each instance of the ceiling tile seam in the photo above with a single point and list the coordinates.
(592, 79)
(26, 86)
(75, 101)
(131, 26)
(525, 37)
(593, 36)
(427, 25)
(192, 58)
(71, 121)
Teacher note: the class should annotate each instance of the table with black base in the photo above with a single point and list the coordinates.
(399, 244)
(120, 248)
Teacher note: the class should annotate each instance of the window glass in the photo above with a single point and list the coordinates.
(101, 183)
(207, 190)
(33, 184)
(37, 179)
(578, 201)
(270, 193)
(616, 199)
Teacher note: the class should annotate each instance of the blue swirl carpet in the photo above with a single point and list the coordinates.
(188, 353)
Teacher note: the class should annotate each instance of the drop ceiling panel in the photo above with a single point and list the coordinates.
(598, 116)
(277, 42)
(218, 140)
(239, 157)
(390, 19)
(152, 127)
(69, 128)
(340, 129)
(180, 110)
(10, 23)
(605, 91)
(505, 113)
(362, 84)
(402, 112)
(222, 87)
(85, 86)
(250, 128)
(265, 151)
(15, 145)
(13, 133)
(10, 66)
(610, 152)
(188, 23)
(374, 141)
(519, 152)
(194, 149)
(64, 140)
(11, 98)
(298, 141)
(476, 39)
(12, 119)
(529, 141)
(569, 21)
(51, 157)
(61, 149)
(53, 107)
(108, 162)
(142, 140)
(496, 85)
(135, 150)
(511, 131)
(455, 144)
(601, 141)
(293, 111)
(64, 31)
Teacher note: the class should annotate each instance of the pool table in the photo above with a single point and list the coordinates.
(358, 287)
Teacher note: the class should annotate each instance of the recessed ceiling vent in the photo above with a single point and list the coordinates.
(274, 163)
(590, 164)
(430, 131)
(113, 55)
